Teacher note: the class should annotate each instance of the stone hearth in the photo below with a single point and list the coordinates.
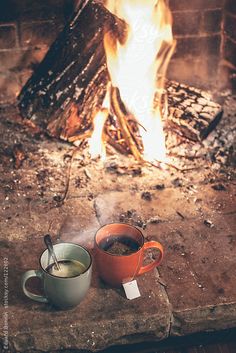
(191, 212)
(189, 206)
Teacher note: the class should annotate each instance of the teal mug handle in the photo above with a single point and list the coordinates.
(27, 275)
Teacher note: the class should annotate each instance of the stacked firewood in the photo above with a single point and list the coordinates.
(68, 88)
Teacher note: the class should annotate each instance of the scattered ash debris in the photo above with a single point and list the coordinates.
(154, 220)
(44, 164)
(57, 198)
(14, 155)
(219, 187)
(67, 157)
(146, 195)
(81, 181)
(218, 149)
(136, 171)
(90, 197)
(133, 218)
(177, 182)
(208, 223)
(232, 239)
(113, 167)
(42, 175)
(18, 155)
(159, 187)
(180, 215)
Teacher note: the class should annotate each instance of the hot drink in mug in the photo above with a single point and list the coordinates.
(65, 287)
(119, 253)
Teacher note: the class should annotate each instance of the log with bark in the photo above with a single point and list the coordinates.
(72, 72)
(69, 86)
(192, 112)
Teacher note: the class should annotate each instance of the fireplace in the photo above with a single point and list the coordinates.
(50, 184)
(202, 31)
(203, 57)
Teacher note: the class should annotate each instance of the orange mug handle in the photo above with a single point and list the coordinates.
(149, 267)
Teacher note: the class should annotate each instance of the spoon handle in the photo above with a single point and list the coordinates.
(48, 242)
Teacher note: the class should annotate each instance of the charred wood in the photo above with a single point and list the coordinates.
(73, 71)
(192, 112)
(124, 124)
(70, 84)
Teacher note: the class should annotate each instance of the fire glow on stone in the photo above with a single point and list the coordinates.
(134, 65)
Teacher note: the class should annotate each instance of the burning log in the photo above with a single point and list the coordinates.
(193, 114)
(69, 86)
(73, 71)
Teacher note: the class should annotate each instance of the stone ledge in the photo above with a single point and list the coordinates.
(105, 317)
(208, 318)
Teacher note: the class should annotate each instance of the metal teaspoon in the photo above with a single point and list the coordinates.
(48, 242)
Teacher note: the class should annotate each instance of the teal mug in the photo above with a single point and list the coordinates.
(65, 288)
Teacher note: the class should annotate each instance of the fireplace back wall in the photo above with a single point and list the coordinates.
(205, 32)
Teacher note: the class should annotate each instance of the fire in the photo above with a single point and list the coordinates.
(137, 62)
(96, 145)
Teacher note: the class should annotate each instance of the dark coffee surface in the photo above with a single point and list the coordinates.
(119, 245)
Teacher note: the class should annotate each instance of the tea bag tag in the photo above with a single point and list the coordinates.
(131, 290)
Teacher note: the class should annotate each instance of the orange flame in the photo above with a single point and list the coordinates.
(96, 145)
(134, 65)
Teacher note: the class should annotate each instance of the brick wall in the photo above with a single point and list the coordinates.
(230, 39)
(27, 29)
(197, 28)
(205, 31)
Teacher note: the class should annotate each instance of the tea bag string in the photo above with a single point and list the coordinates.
(137, 267)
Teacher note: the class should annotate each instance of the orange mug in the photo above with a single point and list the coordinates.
(119, 253)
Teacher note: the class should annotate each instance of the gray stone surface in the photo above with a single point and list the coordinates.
(200, 251)
(103, 318)
(198, 271)
(192, 213)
